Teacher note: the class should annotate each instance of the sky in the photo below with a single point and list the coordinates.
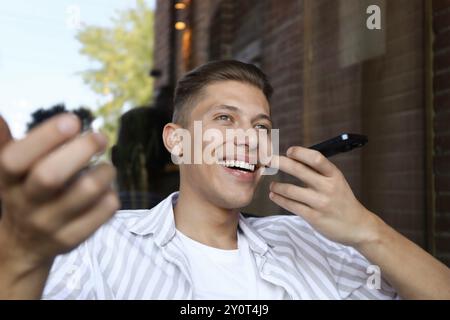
(39, 54)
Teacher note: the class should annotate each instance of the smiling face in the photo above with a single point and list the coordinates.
(229, 183)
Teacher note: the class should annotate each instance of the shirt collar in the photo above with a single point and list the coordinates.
(160, 222)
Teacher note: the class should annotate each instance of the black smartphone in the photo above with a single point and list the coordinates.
(342, 143)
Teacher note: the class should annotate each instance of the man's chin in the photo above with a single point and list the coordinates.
(236, 200)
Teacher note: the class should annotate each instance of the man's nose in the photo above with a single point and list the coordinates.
(249, 140)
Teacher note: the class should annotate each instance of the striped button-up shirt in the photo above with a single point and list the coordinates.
(137, 256)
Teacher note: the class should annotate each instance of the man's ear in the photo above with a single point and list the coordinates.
(172, 140)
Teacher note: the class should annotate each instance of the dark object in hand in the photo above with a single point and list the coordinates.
(343, 143)
(39, 116)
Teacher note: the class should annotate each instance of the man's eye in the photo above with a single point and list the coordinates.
(223, 117)
(262, 126)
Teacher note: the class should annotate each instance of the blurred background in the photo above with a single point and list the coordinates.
(335, 65)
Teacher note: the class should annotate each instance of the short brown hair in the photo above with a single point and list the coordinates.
(190, 86)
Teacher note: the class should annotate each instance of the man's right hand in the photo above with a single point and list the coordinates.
(48, 208)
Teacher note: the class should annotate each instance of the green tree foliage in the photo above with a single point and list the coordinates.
(123, 53)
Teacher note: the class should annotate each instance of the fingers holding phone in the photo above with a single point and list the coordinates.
(326, 201)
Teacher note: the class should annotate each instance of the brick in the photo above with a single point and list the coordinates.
(442, 40)
(442, 122)
(441, 26)
(442, 143)
(443, 203)
(440, 21)
(442, 101)
(440, 5)
(442, 163)
(443, 243)
(442, 82)
(441, 59)
(442, 182)
(442, 223)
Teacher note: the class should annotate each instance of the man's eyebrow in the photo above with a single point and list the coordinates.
(224, 106)
(263, 116)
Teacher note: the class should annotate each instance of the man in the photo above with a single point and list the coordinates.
(195, 244)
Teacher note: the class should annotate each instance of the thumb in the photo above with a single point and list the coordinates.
(5, 134)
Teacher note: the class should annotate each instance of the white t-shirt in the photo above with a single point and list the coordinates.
(227, 274)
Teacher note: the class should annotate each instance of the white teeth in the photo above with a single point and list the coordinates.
(238, 164)
(229, 163)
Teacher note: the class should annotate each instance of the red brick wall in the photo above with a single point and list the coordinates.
(441, 28)
(162, 43)
(393, 108)
(203, 12)
(283, 63)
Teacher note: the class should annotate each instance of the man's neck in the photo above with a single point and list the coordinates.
(204, 222)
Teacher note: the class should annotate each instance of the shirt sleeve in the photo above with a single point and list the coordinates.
(71, 277)
(356, 278)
